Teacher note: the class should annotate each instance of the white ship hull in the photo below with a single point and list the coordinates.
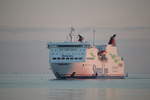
(75, 70)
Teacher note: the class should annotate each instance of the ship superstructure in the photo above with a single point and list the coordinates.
(79, 59)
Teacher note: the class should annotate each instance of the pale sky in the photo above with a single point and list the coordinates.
(80, 13)
(25, 21)
(18, 18)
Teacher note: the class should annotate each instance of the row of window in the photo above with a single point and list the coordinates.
(58, 58)
(69, 53)
(67, 49)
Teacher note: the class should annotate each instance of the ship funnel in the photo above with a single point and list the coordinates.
(112, 40)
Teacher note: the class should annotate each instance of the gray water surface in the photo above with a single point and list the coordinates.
(46, 87)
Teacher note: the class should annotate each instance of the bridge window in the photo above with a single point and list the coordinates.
(75, 58)
(54, 58)
(69, 45)
(58, 58)
(80, 58)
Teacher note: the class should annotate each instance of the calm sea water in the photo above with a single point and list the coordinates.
(46, 87)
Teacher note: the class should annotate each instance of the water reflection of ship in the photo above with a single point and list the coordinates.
(79, 59)
(84, 94)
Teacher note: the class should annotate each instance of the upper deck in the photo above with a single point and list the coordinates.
(67, 52)
(68, 44)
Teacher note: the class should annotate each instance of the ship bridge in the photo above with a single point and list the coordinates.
(67, 52)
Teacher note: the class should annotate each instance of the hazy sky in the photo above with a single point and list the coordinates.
(80, 13)
(23, 19)
(26, 25)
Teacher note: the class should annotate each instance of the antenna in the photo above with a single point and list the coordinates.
(71, 33)
(93, 37)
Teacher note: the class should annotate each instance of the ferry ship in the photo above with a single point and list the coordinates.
(77, 59)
